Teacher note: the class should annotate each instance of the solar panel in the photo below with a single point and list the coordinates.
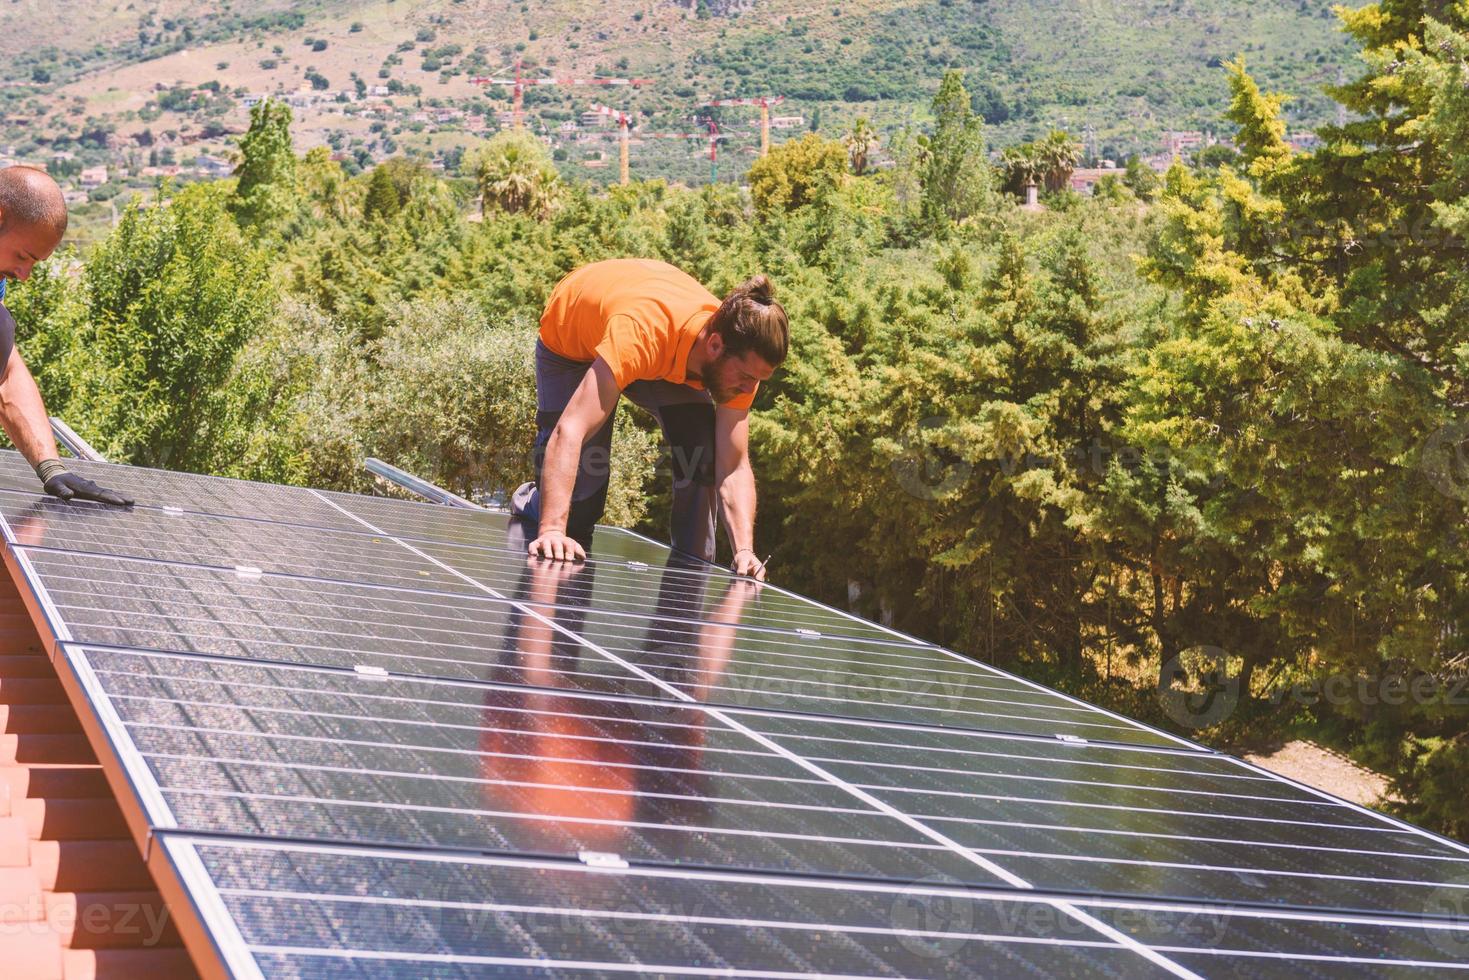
(303, 910)
(366, 735)
(312, 910)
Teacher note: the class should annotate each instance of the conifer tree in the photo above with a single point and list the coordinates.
(382, 197)
(266, 188)
(956, 177)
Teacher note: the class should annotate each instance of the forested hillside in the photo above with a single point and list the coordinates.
(86, 77)
(1195, 451)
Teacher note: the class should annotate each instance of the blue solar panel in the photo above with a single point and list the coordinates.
(371, 736)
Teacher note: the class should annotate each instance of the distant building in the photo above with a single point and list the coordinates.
(1304, 141)
(1159, 162)
(214, 166)
(1180, 143)
(251, 99)
(93, 177)
(377, 90)
(787, 122)
(1085, 180)
(475, 124)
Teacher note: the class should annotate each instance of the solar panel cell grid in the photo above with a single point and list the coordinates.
(232, 746)
(302, 908)
(415, 752)
(183, 608)
(303, 754)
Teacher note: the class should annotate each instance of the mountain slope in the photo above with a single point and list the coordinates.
(1124, 70)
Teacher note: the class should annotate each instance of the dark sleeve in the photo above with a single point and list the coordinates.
(7, 338)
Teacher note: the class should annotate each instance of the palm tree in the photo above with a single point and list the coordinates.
(1023, 167)
(1059, 154)
(515, 175)
(860, 142)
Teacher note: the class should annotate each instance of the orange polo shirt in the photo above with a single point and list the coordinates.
(641, 316)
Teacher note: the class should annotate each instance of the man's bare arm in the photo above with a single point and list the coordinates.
(591, 405)
(23, 416)
(23, 413)
(735, 481)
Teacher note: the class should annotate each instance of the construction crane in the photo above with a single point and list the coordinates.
(624, 135)
(764, 102)
(624, 121)
(714, 138)
(519, 83)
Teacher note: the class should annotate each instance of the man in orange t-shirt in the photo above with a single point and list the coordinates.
(648, 330)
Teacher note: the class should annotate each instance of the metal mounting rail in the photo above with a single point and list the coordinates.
(416, 485)
(74, 443)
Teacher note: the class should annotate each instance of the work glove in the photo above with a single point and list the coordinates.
(61, 483)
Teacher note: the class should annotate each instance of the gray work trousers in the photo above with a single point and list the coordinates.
(686, 416)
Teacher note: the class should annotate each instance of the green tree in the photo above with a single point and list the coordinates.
(266, 188)
(796, 173)
(1321, 291)
(515, 174)
(172, 297)
(382, 197)
(1261, 135)
(1140, 178)
(1047, 163)
(956, 177)
(860, 140)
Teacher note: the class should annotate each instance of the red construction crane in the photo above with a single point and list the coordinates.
(714, 138)
(764, 102)
(519, 82)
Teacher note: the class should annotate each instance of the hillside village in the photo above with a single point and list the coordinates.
(113, 98)
(188, 134)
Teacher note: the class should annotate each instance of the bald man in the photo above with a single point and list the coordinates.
(32, 221)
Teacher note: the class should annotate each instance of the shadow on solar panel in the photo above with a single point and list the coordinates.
(363, 735)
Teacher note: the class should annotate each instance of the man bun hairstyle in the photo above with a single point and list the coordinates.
(750, 319)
